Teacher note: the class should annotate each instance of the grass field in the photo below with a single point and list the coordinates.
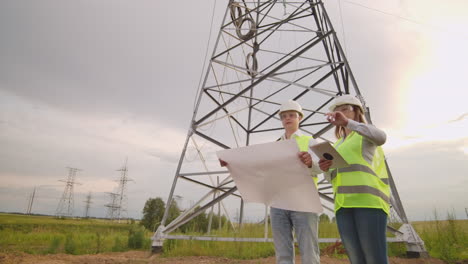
(446, 240)
(48, 235)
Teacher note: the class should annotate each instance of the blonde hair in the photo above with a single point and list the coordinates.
(359, 117)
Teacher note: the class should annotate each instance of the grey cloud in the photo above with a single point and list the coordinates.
(431, 175)
(170, 157)
(138, 61)
(85, 59)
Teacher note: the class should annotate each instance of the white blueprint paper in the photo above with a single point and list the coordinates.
(273, 174)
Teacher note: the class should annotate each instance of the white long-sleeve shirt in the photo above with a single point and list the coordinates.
(370, 132)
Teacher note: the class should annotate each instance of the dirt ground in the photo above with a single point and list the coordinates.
(141, 257)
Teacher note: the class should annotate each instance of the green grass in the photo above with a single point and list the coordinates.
(446, 240)
(49, 235)
(237, 250)
(251, 250)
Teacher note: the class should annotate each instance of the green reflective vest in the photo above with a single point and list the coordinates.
(303, 144)
(364, 184)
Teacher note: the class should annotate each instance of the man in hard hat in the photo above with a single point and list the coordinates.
(304, 224)
(283, 222)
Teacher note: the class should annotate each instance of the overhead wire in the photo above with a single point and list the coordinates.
(383, 12)
(211, 128)
(206, 55)
(343, 29)
(403, 18)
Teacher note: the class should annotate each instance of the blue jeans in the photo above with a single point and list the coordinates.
(305, 226)
(363, 232)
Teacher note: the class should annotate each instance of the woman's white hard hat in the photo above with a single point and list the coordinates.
(291, 105)
(345, 99)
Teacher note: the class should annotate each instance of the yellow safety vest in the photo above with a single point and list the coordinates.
(364, 184)
(303, 144)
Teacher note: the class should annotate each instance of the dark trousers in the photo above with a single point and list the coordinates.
(363, 232)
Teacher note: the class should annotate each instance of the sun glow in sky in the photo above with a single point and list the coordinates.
(433, 93)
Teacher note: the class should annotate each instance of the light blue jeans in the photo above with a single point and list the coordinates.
(362, 231)
(305, 226)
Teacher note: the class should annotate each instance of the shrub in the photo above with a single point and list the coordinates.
(70, 247)
(445, 239)
(136, 237)
(118, 245)
(54, 245)
(98, 243)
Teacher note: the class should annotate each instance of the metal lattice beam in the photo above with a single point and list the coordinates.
(266, 52)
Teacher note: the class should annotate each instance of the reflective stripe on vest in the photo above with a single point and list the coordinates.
(363, 189)
(357, 167)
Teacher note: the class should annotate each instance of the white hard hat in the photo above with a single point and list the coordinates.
(291, 105)
(345, 99)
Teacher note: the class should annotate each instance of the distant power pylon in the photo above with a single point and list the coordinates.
(30, 202)
(66, 203)
(112, 207)
(87, 204)
(121, 190)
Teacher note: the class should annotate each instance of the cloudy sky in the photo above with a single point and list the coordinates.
(86, 84)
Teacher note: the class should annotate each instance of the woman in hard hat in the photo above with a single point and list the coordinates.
(283, 222)
(362, 194)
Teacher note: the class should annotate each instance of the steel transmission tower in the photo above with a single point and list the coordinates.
(87, 205)
(66, 203)
(266, 52)
(122, 192)
(112, 206)
(31, 201)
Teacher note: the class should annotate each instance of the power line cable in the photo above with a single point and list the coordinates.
(206, 55)
(343, 29)
(404, 18)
